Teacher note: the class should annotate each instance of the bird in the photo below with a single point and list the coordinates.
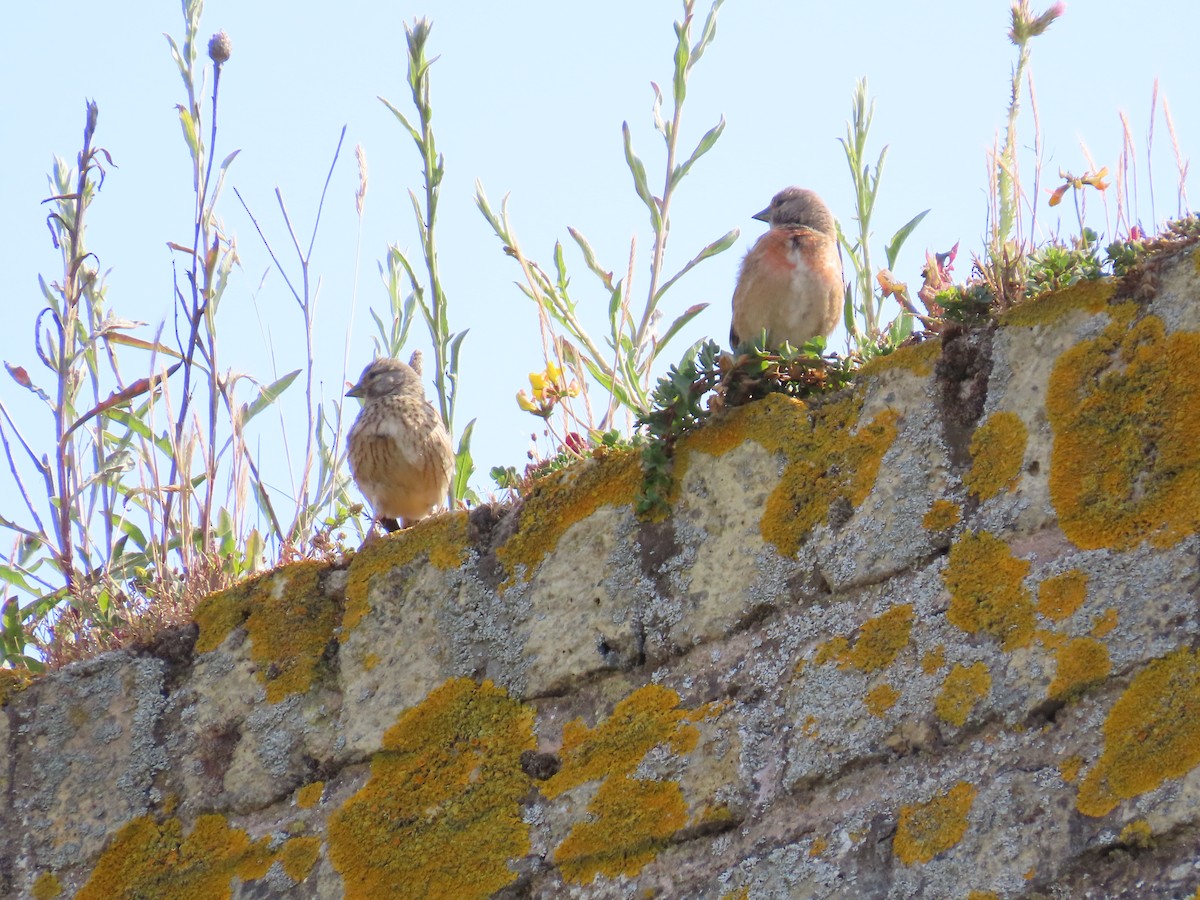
(790, 283)
(399, 450)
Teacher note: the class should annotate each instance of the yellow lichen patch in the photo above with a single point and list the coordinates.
(564, 498)
(742, 893)
(1137, 833)
(983, 895)
(933, 660)
(1069, 768)
(649, 716)
(916, 358)
(927, 829)
(298, 856)
(1105, 623)
(442, 806)
(826, 463)
(310, 795)
(631, 819)
(942, 516)
(964, 687)
(11, 681)
(149, 859)
(997, 454)
(1152, 733)
(1060, 596)
(831, 650)
(1125, 465)
(880, 699)
(1080, 662)
(634, 819)
(986, 590)
(819, 846)
(442, 539)
(46, 887)
(288, 619)
(1087, 296)
(881, 639)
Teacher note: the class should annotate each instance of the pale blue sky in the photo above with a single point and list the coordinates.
(529, 98)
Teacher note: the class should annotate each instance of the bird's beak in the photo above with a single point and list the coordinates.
(764, 216)
(355, 391)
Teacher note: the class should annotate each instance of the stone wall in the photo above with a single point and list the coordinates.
(934, 636)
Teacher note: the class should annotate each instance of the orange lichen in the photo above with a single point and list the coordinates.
(1104, 623)
(933, 660)
(634, 819)
(1061, 595)
(1125, 465)
(819, 846)
(298, 856)
(742, 893)
(881, 639)
(986, 590)
(442, 806)
(942, 516)
(151, 859)
(1069, 767)
(442, 539)
(47, 886)
(310, 795)
(880, 699)
(1152, 733)
(1081, 662)
(832, 650)
(288, 618)
(927, 829)
(997, 454)
(631, 819)
(1086, 296)
(983, 895)
(826, 462)
(562, 499)
(963, 688)
(878, 642)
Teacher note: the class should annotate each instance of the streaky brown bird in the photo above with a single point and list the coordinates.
(399, 450)
(790, 282)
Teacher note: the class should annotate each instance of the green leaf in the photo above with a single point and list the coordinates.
(640, 184)
(267, 396)
(686, 316)
(682, 54)
(403, 120)
(464, 466)
(706, 144)
(898, 239)
(720, 245)
(589, 259)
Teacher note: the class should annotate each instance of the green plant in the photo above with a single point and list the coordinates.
(435, 307)
(621, 363)
(1054, 266)
(863, 311)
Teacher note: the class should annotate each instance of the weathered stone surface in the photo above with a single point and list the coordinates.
(929, 637)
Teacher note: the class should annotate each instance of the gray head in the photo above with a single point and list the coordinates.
(385, 377)
(795, 207)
